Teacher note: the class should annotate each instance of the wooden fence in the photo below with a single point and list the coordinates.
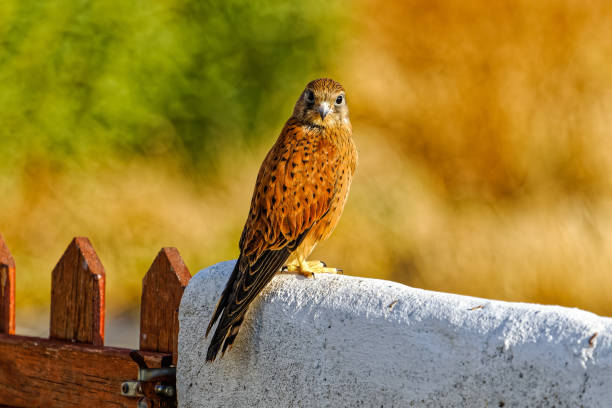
(73, 368)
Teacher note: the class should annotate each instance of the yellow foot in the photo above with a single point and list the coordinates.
(296, 268)
(309, 268)
(321, 267)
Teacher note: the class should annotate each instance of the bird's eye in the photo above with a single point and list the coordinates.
(309, 97)
(339, 100)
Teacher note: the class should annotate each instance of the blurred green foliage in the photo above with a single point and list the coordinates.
(88, 79)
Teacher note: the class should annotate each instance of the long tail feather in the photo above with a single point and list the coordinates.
(247, 280)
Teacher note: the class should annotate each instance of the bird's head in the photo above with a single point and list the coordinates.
(322, 104)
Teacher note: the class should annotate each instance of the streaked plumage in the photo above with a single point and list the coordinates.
(299, 196)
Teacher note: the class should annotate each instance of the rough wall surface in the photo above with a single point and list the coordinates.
(340, 341)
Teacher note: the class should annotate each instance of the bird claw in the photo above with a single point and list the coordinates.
(309, 268)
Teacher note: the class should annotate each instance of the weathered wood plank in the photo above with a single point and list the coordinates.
(77, 295)
(7, 289)
(38, 372)
(162, 290)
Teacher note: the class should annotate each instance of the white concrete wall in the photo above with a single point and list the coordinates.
(340, 341)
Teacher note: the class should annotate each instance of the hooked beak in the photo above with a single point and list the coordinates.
(323, 110)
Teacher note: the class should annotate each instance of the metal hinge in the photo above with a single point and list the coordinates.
(156, 387)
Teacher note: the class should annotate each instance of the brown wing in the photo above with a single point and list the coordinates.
(294, 189)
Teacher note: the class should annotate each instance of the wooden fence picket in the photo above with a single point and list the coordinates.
(77, 295)
(162, 290)
(73, 368)
(7, 289)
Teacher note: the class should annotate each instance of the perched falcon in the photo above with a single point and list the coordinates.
(299, 196)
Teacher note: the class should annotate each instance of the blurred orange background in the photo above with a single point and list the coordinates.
(483, 132)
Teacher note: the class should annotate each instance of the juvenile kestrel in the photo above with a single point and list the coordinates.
(299, 196)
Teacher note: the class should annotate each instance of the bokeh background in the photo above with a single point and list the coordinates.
(483, 129)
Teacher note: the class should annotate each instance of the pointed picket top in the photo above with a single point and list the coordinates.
(162, 290)
(77, 295)
(7, 289)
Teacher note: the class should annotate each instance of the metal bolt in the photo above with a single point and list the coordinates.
(165, 390)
